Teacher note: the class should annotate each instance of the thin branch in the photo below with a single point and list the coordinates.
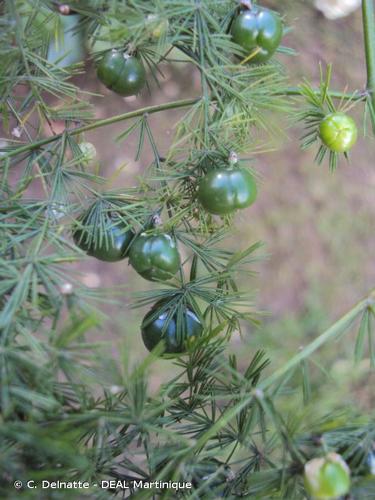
(296, 91)
(107, 121)
(292, 91)
(368, 16)
(336, 329)
(369, 34)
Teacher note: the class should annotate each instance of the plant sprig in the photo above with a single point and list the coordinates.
(319, 104)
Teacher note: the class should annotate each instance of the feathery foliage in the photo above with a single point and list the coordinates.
(71, 412)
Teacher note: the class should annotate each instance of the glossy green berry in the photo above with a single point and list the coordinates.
(155, 257)
(338, 132)
(110, 245)
(258, 31)
(174, 330)
(327, 478)
(122, 73)
(222, 192)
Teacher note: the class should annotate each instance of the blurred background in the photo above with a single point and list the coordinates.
(318, 227)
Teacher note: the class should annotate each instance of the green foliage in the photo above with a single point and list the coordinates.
(320, 103)
(69, 410)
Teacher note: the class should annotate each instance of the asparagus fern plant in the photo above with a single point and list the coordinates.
(69, 411)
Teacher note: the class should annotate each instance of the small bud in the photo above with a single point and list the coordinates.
(65, 10)
(248, 4)
(233, 158)
(258, 393)
(17, 132)
(156, 220)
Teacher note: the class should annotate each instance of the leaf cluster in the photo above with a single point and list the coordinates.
(68, 409)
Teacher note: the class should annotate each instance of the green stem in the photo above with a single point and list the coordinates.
(292, 91)
(335, 330)
(101, 123)
(369, 34)
(296, 91)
